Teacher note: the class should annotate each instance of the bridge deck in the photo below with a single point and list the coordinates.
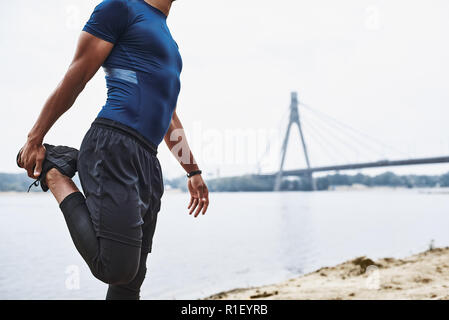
(383, 163)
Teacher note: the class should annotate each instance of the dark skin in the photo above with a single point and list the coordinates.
(90, 54)
(199, 194)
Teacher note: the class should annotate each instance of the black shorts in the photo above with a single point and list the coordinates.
(122, 181)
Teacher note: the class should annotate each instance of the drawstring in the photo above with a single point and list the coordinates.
(35, 183)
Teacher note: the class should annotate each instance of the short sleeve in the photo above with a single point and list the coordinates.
(109, 20)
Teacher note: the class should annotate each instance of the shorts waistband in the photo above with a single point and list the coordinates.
(131, 132)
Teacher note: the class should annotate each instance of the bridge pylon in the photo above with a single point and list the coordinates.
(294, 119)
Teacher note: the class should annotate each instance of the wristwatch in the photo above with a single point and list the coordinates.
(193, 173)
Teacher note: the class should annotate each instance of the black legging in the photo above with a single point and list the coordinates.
(120, 265)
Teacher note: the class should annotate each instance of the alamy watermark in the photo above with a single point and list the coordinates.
(72, 281)
(372, 281)
(236, 146)
(372, 18)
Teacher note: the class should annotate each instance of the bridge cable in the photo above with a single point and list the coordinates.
(317, 133)
(337, 135)
(280, 128)
(348, 127)
(317, 138)
(336, 132)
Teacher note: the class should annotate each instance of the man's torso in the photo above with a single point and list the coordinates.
(143, 69)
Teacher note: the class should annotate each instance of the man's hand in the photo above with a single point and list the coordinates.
(32, 156)
(199, 195)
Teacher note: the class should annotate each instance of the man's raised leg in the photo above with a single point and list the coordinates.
(60, 185)
(110, 261)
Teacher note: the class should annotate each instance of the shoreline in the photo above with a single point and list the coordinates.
(423, 276)
(424, 190)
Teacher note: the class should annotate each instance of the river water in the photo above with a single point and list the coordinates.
(246, 239)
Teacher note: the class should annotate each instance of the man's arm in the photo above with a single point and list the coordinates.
(177, 143)
(90, 54)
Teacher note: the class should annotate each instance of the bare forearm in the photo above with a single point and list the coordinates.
(58, 103)
(176, 141)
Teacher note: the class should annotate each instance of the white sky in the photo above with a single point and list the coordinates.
(379, 66)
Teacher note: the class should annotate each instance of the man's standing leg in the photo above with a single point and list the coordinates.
(131, 291)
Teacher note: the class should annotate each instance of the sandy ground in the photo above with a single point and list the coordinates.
(422, 276)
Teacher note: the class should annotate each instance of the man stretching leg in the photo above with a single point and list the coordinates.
(113, 223)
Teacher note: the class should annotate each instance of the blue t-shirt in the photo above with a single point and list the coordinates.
(143, 69)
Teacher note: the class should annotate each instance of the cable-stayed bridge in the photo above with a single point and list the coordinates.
(339, 131)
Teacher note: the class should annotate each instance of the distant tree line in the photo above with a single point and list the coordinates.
(14, 182)
(21, 182)
(256, 183)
